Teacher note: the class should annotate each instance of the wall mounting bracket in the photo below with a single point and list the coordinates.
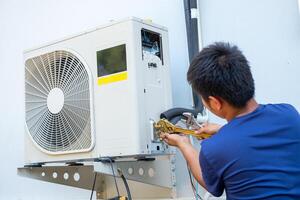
(157, 175)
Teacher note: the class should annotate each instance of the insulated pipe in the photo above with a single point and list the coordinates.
(175, 114)
(193, 39)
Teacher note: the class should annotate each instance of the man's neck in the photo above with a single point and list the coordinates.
(238, 112)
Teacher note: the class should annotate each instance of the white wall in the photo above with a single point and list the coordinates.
(268, 32)
(27, 23)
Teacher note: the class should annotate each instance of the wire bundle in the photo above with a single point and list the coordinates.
(110, 160)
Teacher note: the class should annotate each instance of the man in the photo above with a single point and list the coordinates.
(256, 155)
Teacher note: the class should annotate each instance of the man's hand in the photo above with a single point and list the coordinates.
(209, 128)
(188, 151)
(175, 139)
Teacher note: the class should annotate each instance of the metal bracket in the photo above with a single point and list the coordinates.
(158, 175)
(156, 172)
(74, 176)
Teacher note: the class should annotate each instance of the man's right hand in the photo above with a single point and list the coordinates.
(209, 128)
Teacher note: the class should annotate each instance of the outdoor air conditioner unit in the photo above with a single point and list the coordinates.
(96, 94)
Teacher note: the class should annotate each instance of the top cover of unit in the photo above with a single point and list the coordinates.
(97, 93)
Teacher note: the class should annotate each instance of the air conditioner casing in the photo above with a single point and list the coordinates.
(121, 111)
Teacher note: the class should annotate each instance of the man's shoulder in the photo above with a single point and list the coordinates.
(220, 148)
(282, 107)
(220, 136)
(229, 138)
(216, 143)
(283, 110)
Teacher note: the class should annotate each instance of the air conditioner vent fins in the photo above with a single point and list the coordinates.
(57, 102)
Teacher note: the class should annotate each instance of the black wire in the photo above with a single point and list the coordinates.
(104, 159)
(113, 172)
(94, 183)
(197, 196)
(126, 184)
(193, 186)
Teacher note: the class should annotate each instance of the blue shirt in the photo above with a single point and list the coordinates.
(255, 156)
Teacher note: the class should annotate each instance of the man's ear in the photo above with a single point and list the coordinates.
(215, 103)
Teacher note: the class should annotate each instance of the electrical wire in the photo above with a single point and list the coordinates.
(105, 159)
(197, 196)
(197, 187)
(113, 172)
(94, 183)
(195, 190)
(125, 183)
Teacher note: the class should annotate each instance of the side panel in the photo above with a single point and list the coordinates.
(153, 88)
(115, 103)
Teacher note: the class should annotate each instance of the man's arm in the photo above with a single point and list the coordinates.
(191, 155)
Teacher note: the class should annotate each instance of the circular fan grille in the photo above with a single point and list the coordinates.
(57, 101)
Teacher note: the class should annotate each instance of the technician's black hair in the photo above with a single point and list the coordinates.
(221, 70)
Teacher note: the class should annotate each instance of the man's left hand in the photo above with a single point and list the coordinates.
(175, 139)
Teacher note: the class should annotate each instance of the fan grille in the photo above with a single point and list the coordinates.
(69, 128)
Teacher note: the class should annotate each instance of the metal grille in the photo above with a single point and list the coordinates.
(61, 123)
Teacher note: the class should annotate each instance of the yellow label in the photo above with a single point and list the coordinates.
(112, 78)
